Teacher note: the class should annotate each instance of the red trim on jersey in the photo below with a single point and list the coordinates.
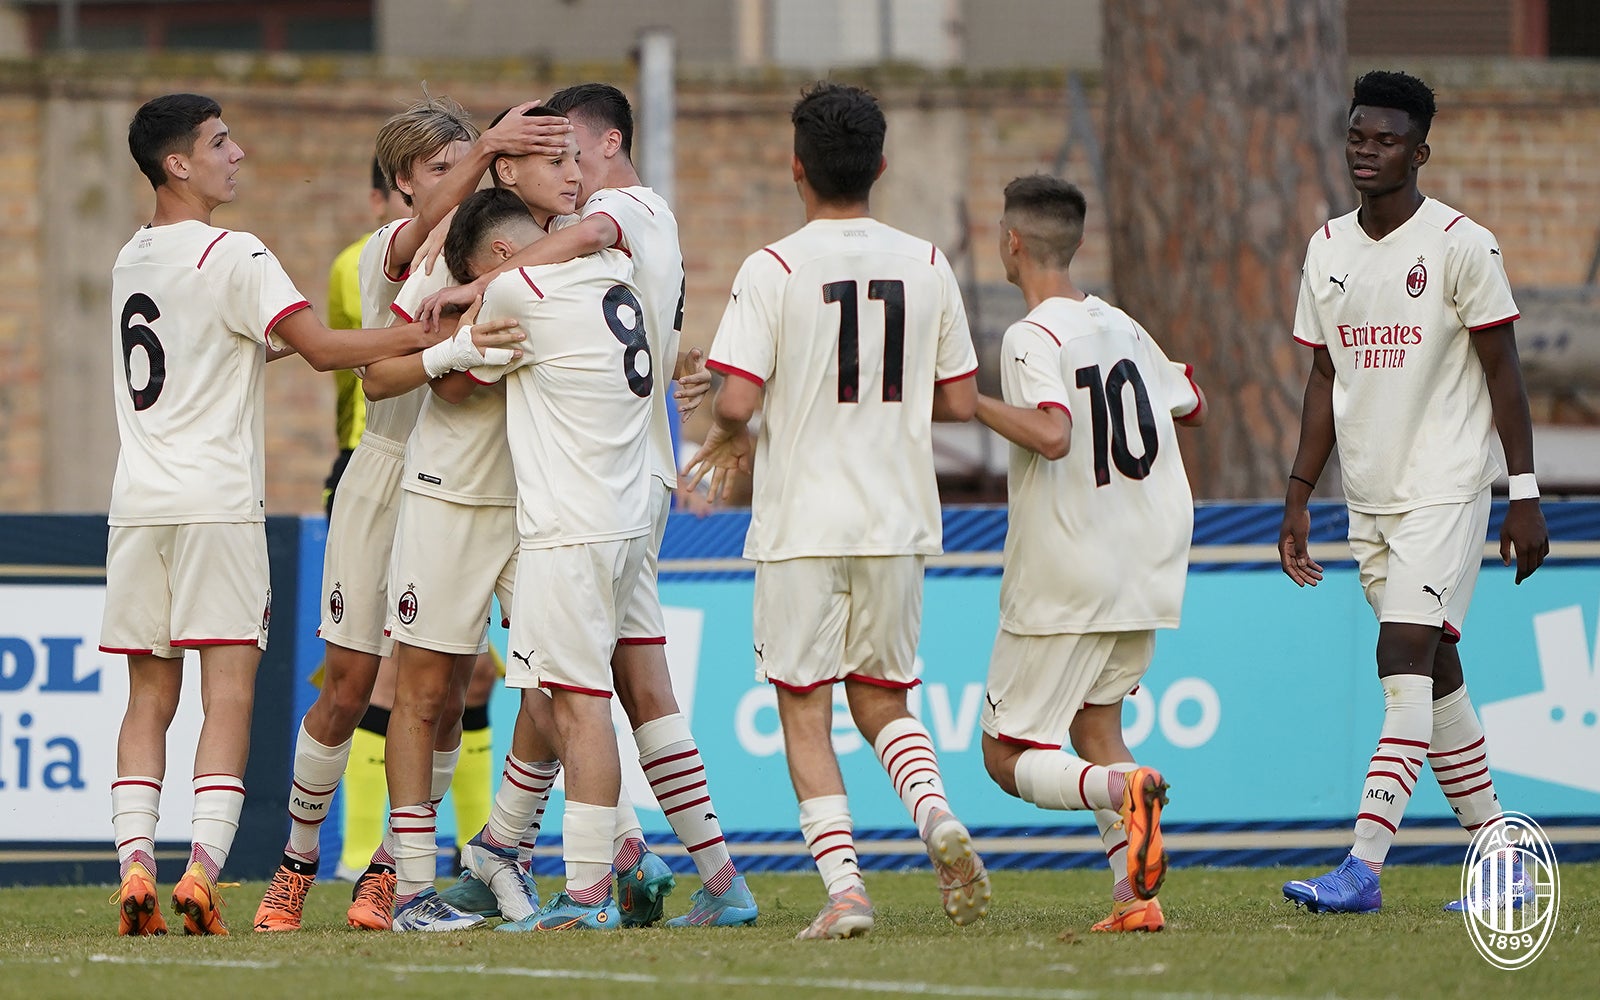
(530, 282)
(653, 640)
(596, 692)
(1451, 633)
(394, 307)
(128, 652)
(1376, 819)
(1199, 400)
(956, 378)
(933, 254)
(780, 260)
(1046, 329)
(727, 369)
(801, 688)
(202, 261)
(286, 311)
(1307, 343)
(1499, 322)
(618, 244)
(1453, 222)
(1019, 741)
(480, 382)
(1326, 231)
(196, 643)
(647, 208)
(1051, 404)
(881, 682)
(384, 264)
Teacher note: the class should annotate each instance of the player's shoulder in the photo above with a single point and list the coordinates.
(1455, 225)
(1333, 232)
(223, 249)
(602, 267)
(635, 198)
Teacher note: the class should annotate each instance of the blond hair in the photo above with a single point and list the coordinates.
(419, 131)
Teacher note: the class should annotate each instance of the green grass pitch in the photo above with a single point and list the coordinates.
(1229, 934)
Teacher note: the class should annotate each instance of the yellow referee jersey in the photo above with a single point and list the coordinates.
(344, 313)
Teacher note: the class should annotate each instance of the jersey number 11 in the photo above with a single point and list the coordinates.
(892, 293)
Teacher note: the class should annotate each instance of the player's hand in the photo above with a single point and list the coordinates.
(456, 296)
(695, 502)
(1293, 538)
(428, 254)
(693, 382)
(1524, 530)
(497, 335)
(519, 135)
(724, 455)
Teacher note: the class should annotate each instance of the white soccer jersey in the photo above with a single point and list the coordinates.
(1396, 315)
(192, 307)
(379, 285)
(1098, 540)
(578, 400)
(650, 236)
(394, 418)
(848, 323)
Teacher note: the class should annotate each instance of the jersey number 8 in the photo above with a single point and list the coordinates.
(134, 335)
(632, 337)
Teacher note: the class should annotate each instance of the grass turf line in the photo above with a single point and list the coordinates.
(1229, 934)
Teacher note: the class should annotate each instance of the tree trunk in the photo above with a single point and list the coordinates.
(1224, 123)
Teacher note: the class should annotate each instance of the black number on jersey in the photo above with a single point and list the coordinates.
(141, 306)
(1110, 429)
(892, 293)
(632, 337)
(677, 317)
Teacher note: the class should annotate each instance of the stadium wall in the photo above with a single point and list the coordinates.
(1515, 147)
(1260, 709)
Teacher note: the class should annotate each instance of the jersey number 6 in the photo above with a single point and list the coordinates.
(1106, 409)
(141, 306)
(632, 336)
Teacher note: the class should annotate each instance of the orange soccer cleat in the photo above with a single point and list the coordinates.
(1133, 915)
(372, 901)
(141, 913)
(197, 898)
(284, 901)
(1142, 800)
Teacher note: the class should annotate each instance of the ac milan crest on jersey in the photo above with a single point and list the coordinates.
(407, 607)
(1417, 279)
(266, 612)
(336, 605)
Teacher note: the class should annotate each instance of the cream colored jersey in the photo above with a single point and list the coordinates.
(848, 324)
(578, 400)
(1396, 315)
(380, 284)
(394, 418)
(649, 235)
(192, 308)
(1098, 540)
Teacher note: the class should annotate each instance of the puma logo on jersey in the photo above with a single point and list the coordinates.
(523, 657)
(1437, 595)
(1023, 361)
(759, 650)
(259, 253)
(1494, 251)
(993, 705)
(1338, 281)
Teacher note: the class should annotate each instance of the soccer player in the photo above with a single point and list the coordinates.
(857, 335)
(577, 416)
(1097, 547)
(621, 213)
(195, 310)
(1406, 307)
(433, 156)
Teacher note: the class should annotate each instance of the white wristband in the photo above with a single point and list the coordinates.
(1523, 486)
(439, 359)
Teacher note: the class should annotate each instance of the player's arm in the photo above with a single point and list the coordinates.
(955, 401)
(1524, 528)
(327, 350)
(593, 234)
(274, 353)
(1046, 429)
(455, 387)
(468, 344)
(729, 448)
(1316, 445)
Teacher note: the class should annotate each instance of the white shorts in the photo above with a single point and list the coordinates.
(821, 620)
(450, 561)
(643, 624)
(355, 566)
(1039, 683)
(175, 586)
(566, 612)
(1420, 566)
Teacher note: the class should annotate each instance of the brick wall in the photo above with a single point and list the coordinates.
(1515, 147)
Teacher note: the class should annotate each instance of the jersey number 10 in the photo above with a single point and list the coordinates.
(1106, 414)
(892, 293)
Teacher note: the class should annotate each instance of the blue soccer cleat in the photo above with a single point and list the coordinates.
(562, 914)
(1521, 890)
(426, 911)
(1350, 888)
(515, 895)
(642, 890)
(470, 895)
(734, 908)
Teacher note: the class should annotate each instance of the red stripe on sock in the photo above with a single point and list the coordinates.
(1396, 741)
(884, 754)
(413, 829)
(678, 809)
(673, 777)
(1390, 774)
(837, 847)
(1451, 753)
(1411, 766)
(1462, 795)
(678, 791)
(309, 791)
(1120, 847)
(236, 789)
(667, 760)
(135, 781)
(506, 777)
(1081, 776)
(1376, 819)
(925, 797)
(134, 840)
(1456, 767)
(713, 842)
(1480, 772)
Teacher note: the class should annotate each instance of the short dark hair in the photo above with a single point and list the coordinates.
(379, 182)
(1401, 91)
(1048, 213)
(166, 125)
(838, 137)
(479, 217)
(598, 104)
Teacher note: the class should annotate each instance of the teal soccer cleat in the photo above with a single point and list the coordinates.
(734, 908)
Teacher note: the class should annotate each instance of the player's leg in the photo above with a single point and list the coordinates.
(880, 650)
(1096, 734)
(472, 788)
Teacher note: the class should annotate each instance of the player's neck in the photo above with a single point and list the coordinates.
(179, 205)
(818, 209)
(1038, 284)
(620, 173)
(1383, 214)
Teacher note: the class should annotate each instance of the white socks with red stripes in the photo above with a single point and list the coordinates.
(317, 770)
(218, 799)
(1460, 760)
(1115, 840)
(825, 823)
(413, 831)
(905, 750)
(677, 775)
(1407, 726)
(586, 847)
(519, 803)
(1055, 779)
(135, 809)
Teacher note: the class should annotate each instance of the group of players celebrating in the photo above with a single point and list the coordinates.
(518, 446)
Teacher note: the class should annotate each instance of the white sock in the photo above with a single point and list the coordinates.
(444, 770)
(218, 798)
(1116, 841)
(1460, 760)
(135, 810)
(1407, 726)
(1055, 779)
(627, 836)
(677, 775)
(586, 834)
(414, 833)
(905, 750)
(317, 770)
(521, 796)
(825, 823)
